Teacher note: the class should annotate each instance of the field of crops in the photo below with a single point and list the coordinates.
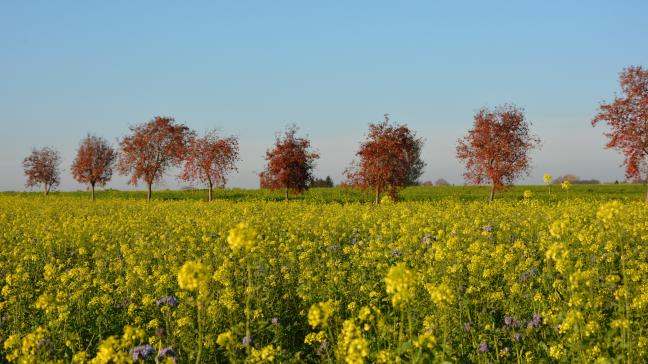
(536, 279)
(346, 195)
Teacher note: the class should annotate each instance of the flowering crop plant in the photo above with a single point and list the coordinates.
(123, 281)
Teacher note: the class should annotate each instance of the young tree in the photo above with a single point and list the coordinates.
(389, 159)
(289, 164)
(497, 148)
(94, 162)
(209, 159)
(151, 148)
(42, 166)
(627, 117)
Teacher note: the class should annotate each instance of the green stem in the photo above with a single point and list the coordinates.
(248, 297)
(200, 333)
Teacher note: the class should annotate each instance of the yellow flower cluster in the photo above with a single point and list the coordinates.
(400, 285)
(352, 347)
(193, 275)
(319, 313)
(242, 237)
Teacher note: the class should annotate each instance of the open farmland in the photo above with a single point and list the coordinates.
(548, 278)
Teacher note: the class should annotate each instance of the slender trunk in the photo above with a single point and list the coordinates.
(148, 197)
(377, 200)
(92, 184)
(47, 188)
(286, 193)
(210, 185)
(492, 193)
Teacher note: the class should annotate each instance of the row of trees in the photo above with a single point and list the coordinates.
(144, 155)
(496, 151)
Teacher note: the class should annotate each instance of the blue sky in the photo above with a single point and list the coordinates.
(251, 67)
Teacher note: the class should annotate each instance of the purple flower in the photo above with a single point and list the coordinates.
(467, 327)
(323, 348)
(396, 252)
(517, 336)
(428, 239)
(536, 321)
(488, 228)
(167, 353)
(511, 322)
(528, 274)
(274, 321)
(247, 340)
(43, 342)
(483, 347)
(168, 300)
(141, 352)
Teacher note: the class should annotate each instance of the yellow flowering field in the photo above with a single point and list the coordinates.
(121, 281)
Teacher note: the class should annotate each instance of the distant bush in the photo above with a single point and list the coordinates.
(321, 182)
(574, 180)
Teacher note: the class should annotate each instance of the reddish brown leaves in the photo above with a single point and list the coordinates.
(42, 167)
(389, 159)
(497, 149)
(290, 163)
(151, 148)
(209, 159)
(94, 161)
(627, 118)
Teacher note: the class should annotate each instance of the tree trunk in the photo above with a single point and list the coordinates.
(148, 197)
(492, 193)
(377, 200)
(92, 185)
(286, 194)
(211, 188)
(46, 189)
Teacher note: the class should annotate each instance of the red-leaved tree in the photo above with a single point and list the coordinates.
(389, 159)
(496, 149)
(209, 159)
(290, 163)
(627, 117)
(151, 148)
(94, 162)
(42, 167)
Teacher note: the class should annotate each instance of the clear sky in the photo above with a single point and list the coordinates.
(251, 67)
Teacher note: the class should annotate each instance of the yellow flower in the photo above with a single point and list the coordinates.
(226, 339)
(242, 237)
(557, 351)
(565, 185)
(547, 178)
(352, 347)
(609, 211)
(319, 313)
(400, 284)
(193, 275)
(267, 354)
(440, 294)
